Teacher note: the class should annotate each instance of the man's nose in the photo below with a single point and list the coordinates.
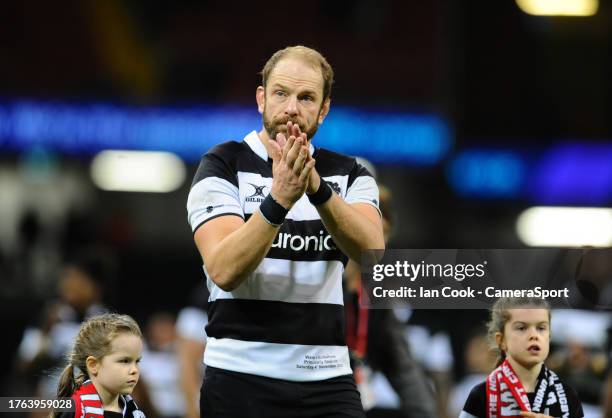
(291, 108)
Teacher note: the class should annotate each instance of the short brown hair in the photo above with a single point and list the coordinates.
(307, 54)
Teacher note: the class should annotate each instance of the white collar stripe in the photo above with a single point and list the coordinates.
(92, 410)
(90, 397)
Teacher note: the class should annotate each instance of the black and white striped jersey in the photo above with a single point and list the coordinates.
(286, 319)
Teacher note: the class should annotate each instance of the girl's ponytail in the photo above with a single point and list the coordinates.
(501, 356)
(67, 384)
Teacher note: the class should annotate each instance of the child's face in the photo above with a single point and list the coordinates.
(526, 336)
(119, 371)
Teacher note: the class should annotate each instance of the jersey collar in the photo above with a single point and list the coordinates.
(253, 141)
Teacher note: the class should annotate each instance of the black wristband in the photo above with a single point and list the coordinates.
(273, 212)
(322, 195)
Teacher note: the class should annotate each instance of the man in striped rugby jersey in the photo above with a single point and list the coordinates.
(276, 220)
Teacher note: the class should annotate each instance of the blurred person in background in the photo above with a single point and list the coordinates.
(159, 368)
(582, 367)
(479, 361)
(191, 342)
(80, 295)
(377, 345)
(275, 337)
(432, 350)
(606, 397)
(578, 354)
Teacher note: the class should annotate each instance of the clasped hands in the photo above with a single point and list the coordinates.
(293, 169)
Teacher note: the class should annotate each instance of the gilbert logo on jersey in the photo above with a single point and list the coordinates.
(258, 195)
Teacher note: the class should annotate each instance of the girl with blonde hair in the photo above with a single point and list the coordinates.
(103, 369)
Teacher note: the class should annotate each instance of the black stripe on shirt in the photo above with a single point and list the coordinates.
(331, 163)
(227, 159)
(357, 171)
(276, 322)
(221, 162)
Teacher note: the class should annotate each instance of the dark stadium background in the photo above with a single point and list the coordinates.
(501, 79)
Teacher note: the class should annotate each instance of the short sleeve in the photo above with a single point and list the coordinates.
(362, 187)
(214, 192)
(574, 402)
(475, 404)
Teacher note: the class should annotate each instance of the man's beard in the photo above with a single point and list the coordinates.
(279, 125)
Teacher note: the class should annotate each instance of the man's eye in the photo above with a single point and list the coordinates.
(307, 98)
(280, 93)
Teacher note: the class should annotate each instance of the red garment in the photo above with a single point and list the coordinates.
(506, 396)
(357, 325)
(87, 402)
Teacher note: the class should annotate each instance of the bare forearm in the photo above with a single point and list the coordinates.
(190, 382)
(351, 230)
(240, 252)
